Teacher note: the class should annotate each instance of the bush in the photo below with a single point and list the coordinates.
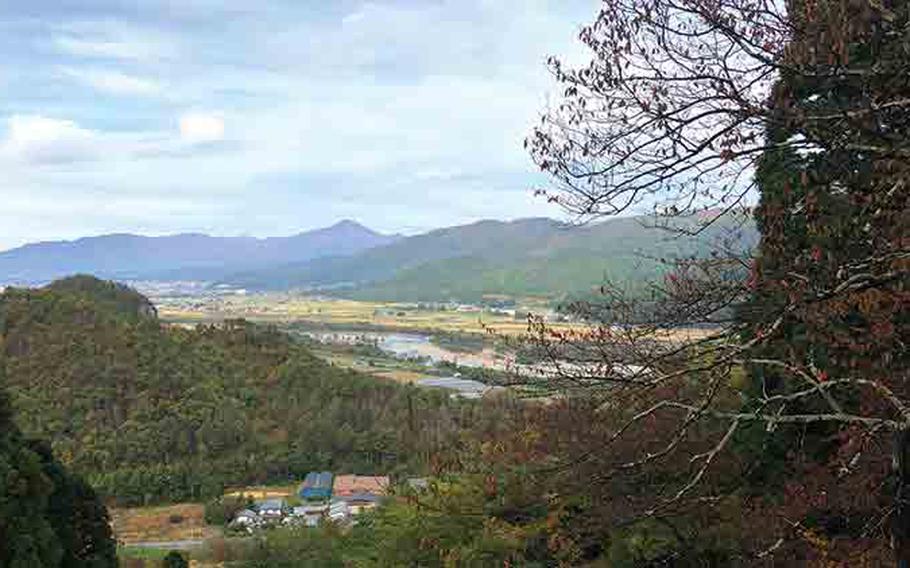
(221, 511)
(175, 560)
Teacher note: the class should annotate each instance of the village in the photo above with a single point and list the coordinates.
(322, 497)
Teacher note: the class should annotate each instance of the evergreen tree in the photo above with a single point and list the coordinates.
(78, 517)
(27, 537)
(48, 518)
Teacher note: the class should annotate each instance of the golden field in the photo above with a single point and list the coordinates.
(262, 492)
(285, 309)
(160, 524)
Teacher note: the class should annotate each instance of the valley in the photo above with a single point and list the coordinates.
(502, 316)
(422, 344)
(388, 283)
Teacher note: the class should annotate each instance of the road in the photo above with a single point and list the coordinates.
(171, 545)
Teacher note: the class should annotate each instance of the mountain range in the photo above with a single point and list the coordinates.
(189, 256)
(526, 257)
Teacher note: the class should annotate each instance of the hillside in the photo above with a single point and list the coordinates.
(148, 412)
(108, 297)
(185, 256)
(525, 257)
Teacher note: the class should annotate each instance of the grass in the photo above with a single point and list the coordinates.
(401, 376)
(213, 554)
(386, 367)
(142, 553)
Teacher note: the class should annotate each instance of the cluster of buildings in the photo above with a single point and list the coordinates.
(322, 497)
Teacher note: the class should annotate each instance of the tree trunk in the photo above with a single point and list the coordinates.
(900, 528)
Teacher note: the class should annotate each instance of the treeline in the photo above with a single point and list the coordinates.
(154, 413)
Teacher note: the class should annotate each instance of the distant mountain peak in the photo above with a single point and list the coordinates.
(191, 256)
(349, 224)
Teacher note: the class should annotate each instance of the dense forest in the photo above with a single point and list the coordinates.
(149, 412)
(48, 516)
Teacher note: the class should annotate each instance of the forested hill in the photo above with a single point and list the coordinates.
(186, 256)
(524, 257)
(107, 297)
(148, 412)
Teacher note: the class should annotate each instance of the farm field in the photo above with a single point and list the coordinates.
(348, 314)
(382, 367)
(145, 535)
(353, 315)
(172, 523)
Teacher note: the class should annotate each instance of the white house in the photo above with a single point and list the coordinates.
(339, 512)
(247, 518)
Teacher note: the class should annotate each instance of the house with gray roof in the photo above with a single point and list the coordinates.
(272, 509)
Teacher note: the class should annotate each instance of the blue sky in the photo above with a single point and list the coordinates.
(268, 118)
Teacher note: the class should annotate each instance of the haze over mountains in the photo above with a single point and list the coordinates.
(190, 256)
(537, 256)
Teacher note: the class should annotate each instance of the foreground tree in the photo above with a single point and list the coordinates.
(77, 515)
(27, 538)
(48, 517)
(689, 108)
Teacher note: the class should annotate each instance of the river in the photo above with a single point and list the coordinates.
(412, 345)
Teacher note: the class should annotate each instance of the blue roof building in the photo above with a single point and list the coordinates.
(316, 486)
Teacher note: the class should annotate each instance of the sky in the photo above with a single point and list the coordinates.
(270, 118)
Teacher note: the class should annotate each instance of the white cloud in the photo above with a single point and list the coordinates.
(43, 140)
(196, 127)
(36, 140)
(113, 82)
(113, 40)
(408, 110)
